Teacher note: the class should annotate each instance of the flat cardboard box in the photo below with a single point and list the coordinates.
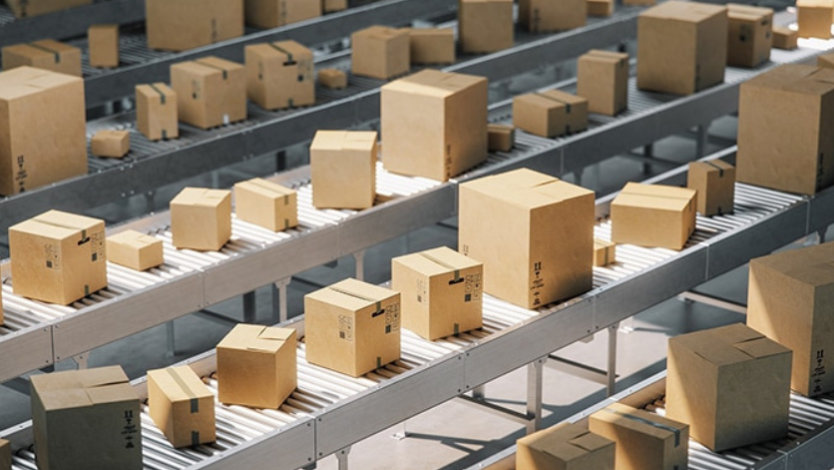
(58, 257)
(542, 16)
(509, 221)
(434, 124)
(814, 18)
(715, 182)
(600, 7)
(5, 455)
(352, 327)
(266, 204)
(681, 47)
(653, 215)
(441, 292)
(500, 137)
(181, 406)
(280, 75)
(432, 45)
(550, 113)
(564, 447)
(135, 250)
(334, 79)
(201, 219)
(602, 79)
(110, 143)
(343, 169)
(45, 54)
(731, 384)
(749, 35)
(380, 52)
(605, 253)
(103, 41)
(156, 111)
(28, 8)
(485, 26)
(211, 91)
(785, 38)
(273, 13)
(179, 25)
(334, 5)
(88, 419)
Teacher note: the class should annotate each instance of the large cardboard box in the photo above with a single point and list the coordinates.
(784, 140)
(550, 113)
(715, 182)
(181, 406)
(432, 45)
(343, 169)
(749, 35)
(681, 47)
(201, 219)
(434, 124)
(5, 455)
(785, 38)
(44, 54)
(540, 16)
(731, 384)
(179, 25)
(110, 143)
(500, 137)
(605, 253)
(814, 18)
(135, 250)
(210, 91)
(274, 13)
(653, 215)
(352, 327)
(103, 41)
(442, 292)
(266, 204)
(564, 447)
(333, 78)
(334, 5)
(825, 60)
(600, 7)
(602, 79)
(156, 111)
(380, 52)
(42, 120)
(86, 419)
(280, 75)
(509, 221)
(485, 25)
(643, 440)
(27, 8)
(58, 257)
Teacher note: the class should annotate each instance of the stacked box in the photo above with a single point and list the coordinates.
(343, 169)
(210, 92)
(602, 79)
(653, 215)
(485, 25)
(201, 219)
(380, 52)
(179, 25)
(45, 54)
(550, 113)
(280, 75)
(181, 406)
(156, 111)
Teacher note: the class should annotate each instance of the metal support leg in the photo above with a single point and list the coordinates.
(702, 142)
(279, 301)
(534, 394)
(171, 338)
(215, 179)
(402, 434)
(149, 198)
(479, 392)
(612, 358)
(249, 307)
(821, 235)
(281, 161)
(342, 457)
(648, 151)
(81, 360)
(359, 256)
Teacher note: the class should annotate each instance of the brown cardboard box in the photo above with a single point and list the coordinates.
(814, 18)
(602, 78)
(27, 8)
(274, 13)
(181, 406)
(156, 111)
(605, 253)
(179, 25)
(509, 221)
(2, 320)
(784, 38)
(352, 327)
(485, 25)
(58, 257)
(540, 16)
(564, 447)
(334, 5)
(135, 250)
(110, 143)
(343, 169)
(434, 124)
(715, 182)
(731, 384)
(86, 419)
(826, 61)
(790, 302)
(783, 137)
(550, 113)
(432, 45)
(639, 2)
(653, 215)
(201, 219)
(44, 54)
(380, 52)
(501, 137)
(266, 204)
(333, 78)
(103, 41)
(280, 75)
(211, 91)
(5, 455)
(442, 292)
(643, 440)
(749, 35)
(681, 47)
(42, 120)
(600, 7)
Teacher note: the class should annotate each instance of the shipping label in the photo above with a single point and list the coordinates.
(346, 328)
(20, 174)
(422, 291)
(392, 318)
(537, 285)
(130, 430)
(97, 243)
(52, 255)
(472, 289)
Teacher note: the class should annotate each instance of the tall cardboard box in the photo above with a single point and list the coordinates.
(201, 219)
(602, 79)
(785, 38)
(509, 221)
(550, 113)
(135, 250)
(86, 419)
(564, 447)
(600, 7)
(181, 406)
(103, 41)
(343, 169)
(380, 52)
(749, 35)
(485, 25)
(352, 327)
(434, 124)
(432, 45)
(44, 54)
(5, 455)
(731, 384)
(266, 204)
(179, 25)
(814, 18)
(442, 292)
(58, 257)
(653, 215)
(334, 5)
(273, 13)
(210, 91)
(280, 75)
(715, 182)
(681, 47)
(156, 111)
(27, 8)
(541, 16)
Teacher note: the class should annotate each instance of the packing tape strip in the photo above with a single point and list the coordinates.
(195, 402)
(720, 170)
(655, 424)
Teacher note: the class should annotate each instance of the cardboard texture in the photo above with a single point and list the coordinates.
(749, 35)
(334, 5)
(27, 8)
(500, 137)
(485, 25)
(600, 7)
(602, 79)
(564, 447)
(135, 250)
(201, 219)
(681, 47)
(181, 406)
(380, 52)
(432, 45)
(434, 124)
(86, 419)
(731, 384)
(442, 292)
(58, 257)
(605, 253)
(333, 78)
(715, 182)
(156, 111)
(814, 18)
(343, 169)
(825, 61)
(274, 13)
(550, 113)
(5, 455)
(45, 54)
(639, 2)
(210, 91)
(509, 221)
(103, 41)
(266, 204)
(179, 25)
(280, 75)
(541, 16)
(653, 215)
(785, 38)
(110, 143)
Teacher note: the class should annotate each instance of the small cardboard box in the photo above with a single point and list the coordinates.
(27, 8)
(564, 447)
(352, 327)
(653, 215)
(605, 253)
(181, 406)
(602, 78)
(814, 18)
(550, 113)
(179, 25)
(432, 45)
(434, 124)
(45, 54)
(103, 41)
(86, 419)
(785, 38)
(749, 35)
(5, 455)
(110, 143)
(681, 47)
(210, 91)
(485, 25)
(380, 52)
(442, 292)
(720, 378)
(280, 75)
(334, 5)
(135, 250)
(343, 169)
(715, 182)
(509, 221)
(333, 78)
(58, 257)
(600, 7)
(273, 13)
(156, 111)
(501, 137)
(201, 219)
(541, 16)
(266, 204)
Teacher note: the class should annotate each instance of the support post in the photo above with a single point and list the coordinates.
(702, 142)
(359, 257)
(612, 358)
(279, 301)
(342, 457)
(249, 307)
(81, 360)
(171, 338)
(648, 152)
(534, 394)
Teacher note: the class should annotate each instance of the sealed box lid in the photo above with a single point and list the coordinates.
(729, 344)
(82, 388)
(812, 265)
(565, 441)
(655, 196)
(57, 224)
(202, 197)
(527, 188)
(133, 239)
(180, 383)
(153, 90)
(437, 261)
(353, 294)
(747, 12)
(344, 140)
(693, 12)
(256, 338)
(796, 78)
(644, 422)
(289, 50)
(606, 56)
(432, 82)
(265, 188)
(25, 81)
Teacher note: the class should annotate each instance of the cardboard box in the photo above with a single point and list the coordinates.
(825, 61)
(333, 78)
(541, 16)
(564, 447)
(110, 143)
(602, 79)
(500, 137)
(550, 113)
(432, 45)
(343, 169)
(485, 25)
(266, 204)
(334, 5)
(814, 18)
(442, 292)
(785, 38)
(58, 257)
(201, 219)
(135, 250)
(352, 327)
(86, 419)
(280, 75)
(508, 221)
(5, 455)
(181, 406)
(27, 8)
(749, 35)
(179, 25)
(211, 91)
(639, 2)
(45, 54)
(42, 120)
(720, 378)
(380, 52)
(605, 253)
(653, 215)
(715, 182)
(156, 111)
(274, 13)
(681, 47)
(103, 41)
(434, 124)
(600, 7)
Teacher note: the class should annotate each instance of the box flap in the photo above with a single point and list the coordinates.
(812, 265)
(265, 188)
(54, 46)
(344, 140)
(201, 197)
(735, 9)
(24, 81)
(219, 64)
(256, 338)
(527, 188)
(653, 196)
(133, 239)
(78, 388)
(293, 48)
(180, 384)
(642, 421)
(437, 261)
(729, 344)
(58, 225)
(563, 97)
(796, 78)
(565, 441)
(690, 12)
(430, 82)
(381, 32)
(353, 294)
